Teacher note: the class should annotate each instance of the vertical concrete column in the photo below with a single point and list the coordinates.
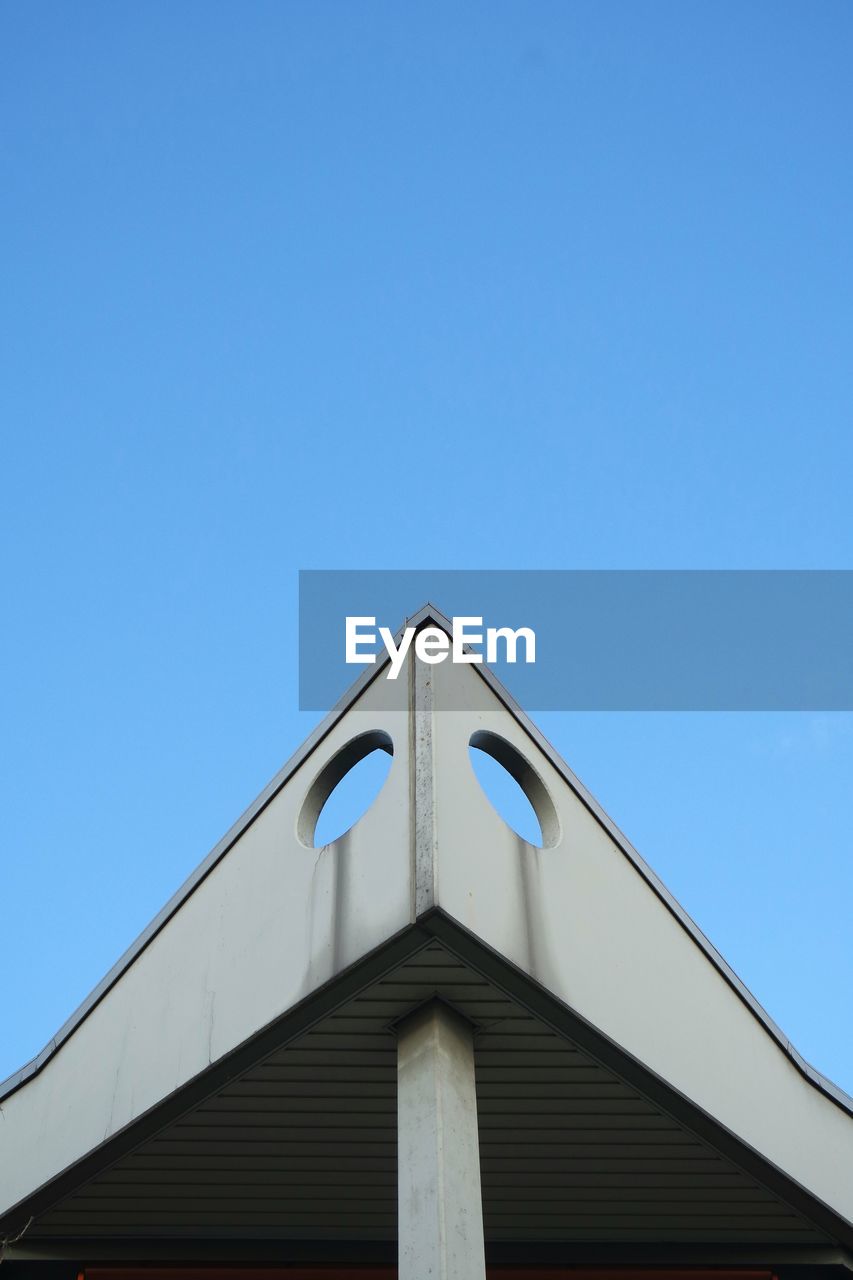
(440, 1219)
(423, 786)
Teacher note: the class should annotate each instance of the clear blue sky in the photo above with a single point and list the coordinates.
(392, 285)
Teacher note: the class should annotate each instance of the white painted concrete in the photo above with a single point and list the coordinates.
(440, 1211)
(274, 920)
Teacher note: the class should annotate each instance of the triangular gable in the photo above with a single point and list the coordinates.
(267, 923)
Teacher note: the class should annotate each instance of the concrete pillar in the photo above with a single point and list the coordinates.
(440, 1219)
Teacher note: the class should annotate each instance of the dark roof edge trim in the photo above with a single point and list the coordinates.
(225, 1252)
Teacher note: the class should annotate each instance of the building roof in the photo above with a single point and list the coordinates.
(612, 1038)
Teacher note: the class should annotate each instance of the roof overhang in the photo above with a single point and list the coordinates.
(271, 939)
(744, 1209)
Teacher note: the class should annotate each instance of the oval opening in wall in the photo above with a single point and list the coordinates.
(514, 789)
(345, 789)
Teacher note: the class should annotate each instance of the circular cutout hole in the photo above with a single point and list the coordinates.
(514, 789)
(345, 789)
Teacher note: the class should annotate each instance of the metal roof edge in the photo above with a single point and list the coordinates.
(59, 1257)
(226, 1255)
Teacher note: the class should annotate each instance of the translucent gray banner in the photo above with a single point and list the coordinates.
(609, 640)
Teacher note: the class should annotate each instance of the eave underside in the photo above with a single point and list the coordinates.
(301, 1147)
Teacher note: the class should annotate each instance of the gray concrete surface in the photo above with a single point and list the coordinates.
(440, 1209)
